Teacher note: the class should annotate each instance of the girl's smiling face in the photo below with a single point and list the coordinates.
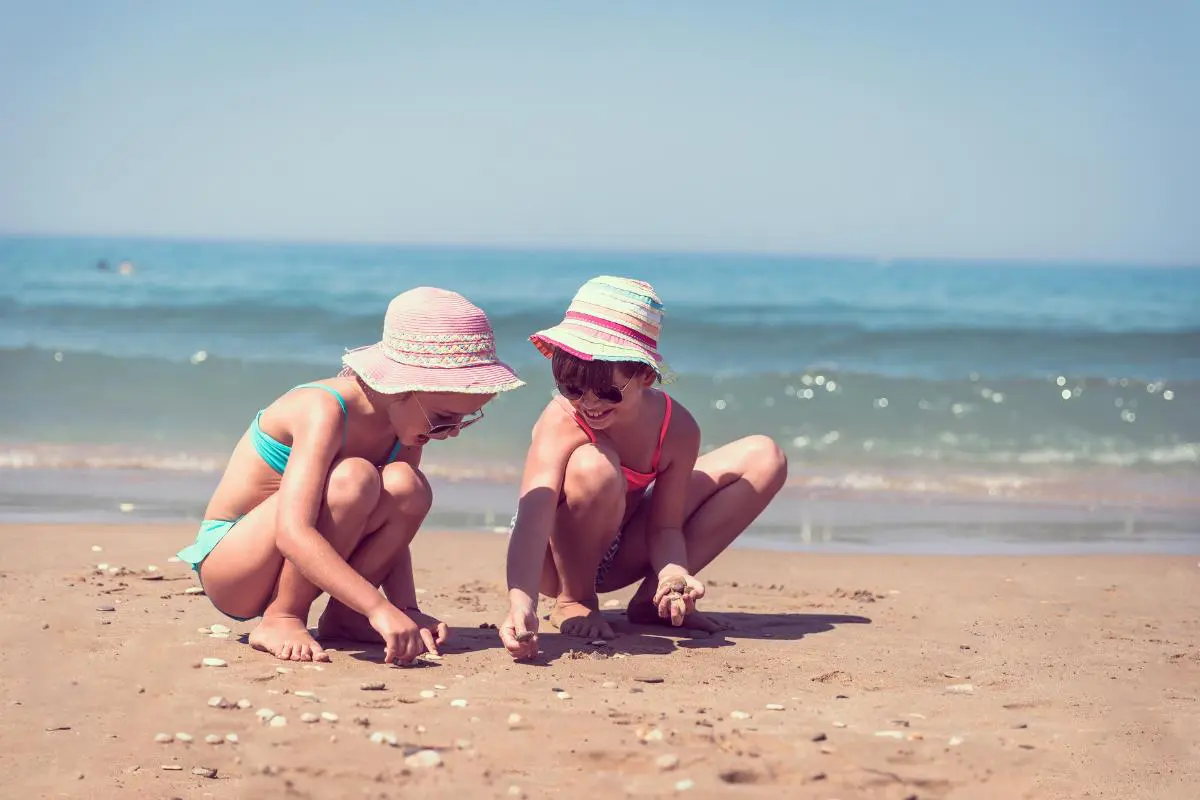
(601, 391)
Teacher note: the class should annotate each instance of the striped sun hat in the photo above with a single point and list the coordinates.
(433, 341)
(609, 319)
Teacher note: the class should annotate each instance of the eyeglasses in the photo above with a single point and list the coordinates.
(610, 394)
(448, 427)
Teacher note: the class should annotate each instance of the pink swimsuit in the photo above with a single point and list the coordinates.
(635, 480)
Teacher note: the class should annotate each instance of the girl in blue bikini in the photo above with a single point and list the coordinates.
(324, 492)
(615, 490)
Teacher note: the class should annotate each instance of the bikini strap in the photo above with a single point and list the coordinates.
(395, 452)
(337, 395)
(662, 434)
(586, 428)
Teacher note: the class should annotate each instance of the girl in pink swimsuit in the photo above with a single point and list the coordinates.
(615, 490)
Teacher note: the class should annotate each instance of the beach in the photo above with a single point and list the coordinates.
(845, 676)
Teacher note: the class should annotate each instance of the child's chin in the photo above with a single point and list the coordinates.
(601, 421)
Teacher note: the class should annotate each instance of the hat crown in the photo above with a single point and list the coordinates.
(623, 305)
(430, 327)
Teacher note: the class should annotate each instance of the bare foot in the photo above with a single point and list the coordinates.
(344, 624)
(580, 619)
(287, 639)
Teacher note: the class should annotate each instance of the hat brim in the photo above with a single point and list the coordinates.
(390, 377)
(593, 347)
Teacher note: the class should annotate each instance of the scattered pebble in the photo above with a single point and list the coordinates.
(649, 736)
(218, 702)
(164, 738)
(612, 603)
(314, 667)
(438, 686)
(174, 560)
(204, 772)
(774, 707)
(890, 734)
(739, 715)
(305, 693)
(515, 791)
(283, 670)
(384, 737)
(372, 686)
(820, 737)
(514, 719)
(152, 576)
(563, 695)
(277, 721)
(183, 737)
(213, 662)
(839, 724)
(684, 785)
(194, 590)
(462, 744)
(244, 703)
(598, 643)
(428, 693)
(213, 738)
(458, 702)
(667, 762)
(105, 608)
(232, 738)
(97, 548)
(961, 688)
(329, 716)
(308, 716)
(219, 628)
(264, 714)
(609, 685)
(171, 767)
(955, 741)
(648, 678)
(424, 759)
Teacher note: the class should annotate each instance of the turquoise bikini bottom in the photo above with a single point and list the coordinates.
(211, 532)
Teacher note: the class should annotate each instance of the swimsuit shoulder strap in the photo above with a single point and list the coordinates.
(395, 452)
(662, 434)
(337, 395)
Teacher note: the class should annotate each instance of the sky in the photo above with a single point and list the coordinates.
(1032, 130)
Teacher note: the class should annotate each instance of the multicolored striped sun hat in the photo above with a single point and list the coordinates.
(609, 319)
(434, 340)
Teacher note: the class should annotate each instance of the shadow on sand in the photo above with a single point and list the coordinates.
(631, 640)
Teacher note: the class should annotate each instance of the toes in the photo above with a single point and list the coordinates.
(305, 653)
(284, 652)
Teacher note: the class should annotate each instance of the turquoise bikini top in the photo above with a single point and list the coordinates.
(276, 454)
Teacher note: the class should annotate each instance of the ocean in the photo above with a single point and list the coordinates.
(895, 386)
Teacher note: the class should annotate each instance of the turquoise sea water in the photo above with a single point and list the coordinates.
(991, 380)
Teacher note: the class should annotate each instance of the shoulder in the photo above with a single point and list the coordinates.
(309, 409)
(683, 434)
(556, 432)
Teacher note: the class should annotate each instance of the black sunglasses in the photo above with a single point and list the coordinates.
(609, 394)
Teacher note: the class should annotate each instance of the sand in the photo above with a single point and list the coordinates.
(846, 677)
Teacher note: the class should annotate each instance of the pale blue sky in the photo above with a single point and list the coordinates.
(1011, 129)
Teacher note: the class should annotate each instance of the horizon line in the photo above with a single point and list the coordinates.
(598, 249)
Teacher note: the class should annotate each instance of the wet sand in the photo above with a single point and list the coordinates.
(846, 676)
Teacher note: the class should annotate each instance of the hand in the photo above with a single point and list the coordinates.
(676, 597)
(518, 632)
(434, 632)
(402, 638)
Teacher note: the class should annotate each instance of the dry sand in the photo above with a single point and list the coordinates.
(897, 677)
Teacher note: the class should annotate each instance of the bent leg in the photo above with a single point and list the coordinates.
(729, 488)
(246, 571)
(383, 558)
(587, 521)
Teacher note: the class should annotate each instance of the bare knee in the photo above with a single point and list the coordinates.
(594, 482)
(407, 490)
(765, 464)
(353, 486)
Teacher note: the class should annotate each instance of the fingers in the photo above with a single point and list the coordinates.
(443, 633)
(389, 651)
(427, 640)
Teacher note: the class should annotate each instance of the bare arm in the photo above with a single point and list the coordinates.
(664, 534)
(315, 441)
(541, 486)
